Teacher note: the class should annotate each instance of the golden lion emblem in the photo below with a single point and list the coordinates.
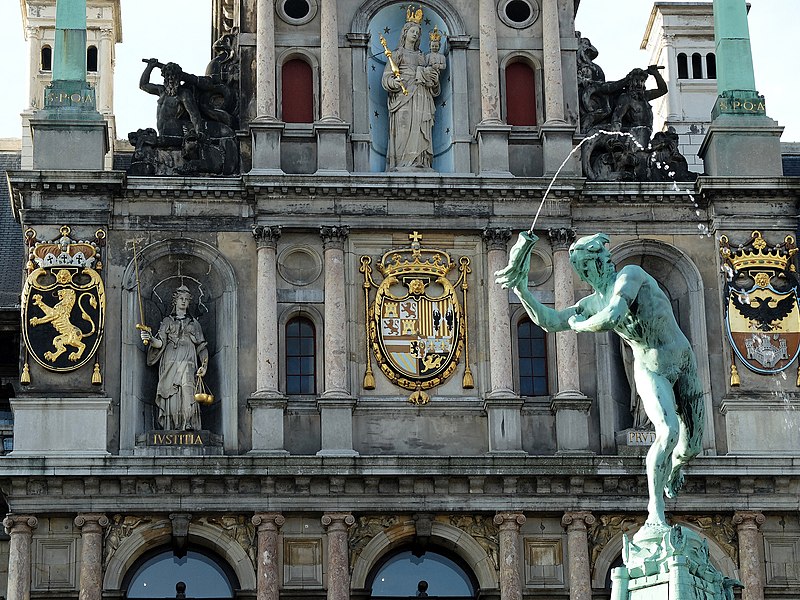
(58, 316)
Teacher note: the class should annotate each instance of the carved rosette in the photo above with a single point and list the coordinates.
(496, 238)
(561, 238)
(266, 236)
(334, 236)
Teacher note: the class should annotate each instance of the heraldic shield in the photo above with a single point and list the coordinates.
(416, 325)
(63, 301)
(762, 310)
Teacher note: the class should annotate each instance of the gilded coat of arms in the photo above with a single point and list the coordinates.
(762, 312)
(63, 302)
(416, 326)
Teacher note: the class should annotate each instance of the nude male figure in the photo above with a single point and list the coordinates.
(630, 303)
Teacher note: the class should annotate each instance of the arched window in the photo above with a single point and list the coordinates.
(697, 66)
(297, 92)
(411, 573)
(47, 58)
(520, 94)
(683, 66)
(91, 59)
(301, 372)
(532, 350)
(199, 574)
(711, 65)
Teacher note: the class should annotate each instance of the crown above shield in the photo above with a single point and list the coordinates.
(416, 260)
(757, 254)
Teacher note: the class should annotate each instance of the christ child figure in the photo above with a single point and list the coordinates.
(435, 58)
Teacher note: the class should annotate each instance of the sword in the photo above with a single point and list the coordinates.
(139, 326)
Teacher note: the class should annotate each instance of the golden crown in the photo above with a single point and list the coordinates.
(415, 260)
(413, 16)
(63, 251)
(757, 254)
(436, 35)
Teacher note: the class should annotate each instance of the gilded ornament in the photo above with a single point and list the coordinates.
(65, 291)
(416, 325)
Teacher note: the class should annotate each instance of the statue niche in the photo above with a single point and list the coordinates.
(617, 118)
(179, 376)
(410, 92)
(196, 117)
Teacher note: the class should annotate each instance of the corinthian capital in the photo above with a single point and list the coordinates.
(561, 238)
(334, 236)
(266, 236)
(496, 238)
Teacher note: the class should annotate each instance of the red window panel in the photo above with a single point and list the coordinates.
(297, 92)
(520, 95)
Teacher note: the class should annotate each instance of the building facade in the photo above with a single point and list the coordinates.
(372, 412)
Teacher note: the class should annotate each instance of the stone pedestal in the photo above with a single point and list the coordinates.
(267, 425)
(266, 136)
(336, 422)
(556, 146)
(571, 410)
(668, 564)
(60, 426)
(331, 147)
(742, 146)
(267, 525)
(69, 144)
(493, 149)
(505, 424)
(91, 575)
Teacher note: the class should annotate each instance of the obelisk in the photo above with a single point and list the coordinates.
(69, 133)
(741, 140)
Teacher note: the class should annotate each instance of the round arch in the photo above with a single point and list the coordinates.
(612, 550)
(225, 335)
(312, 314)
(370, 8)
(153, 535)
(673, 268)
(442, 534)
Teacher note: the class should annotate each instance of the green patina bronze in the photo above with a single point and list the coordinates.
(736, 84)
(631, 303)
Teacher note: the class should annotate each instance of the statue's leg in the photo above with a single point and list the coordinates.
(659, 404)
(689, 399)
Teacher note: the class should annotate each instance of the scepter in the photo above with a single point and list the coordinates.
(393, 65)
(140, 326)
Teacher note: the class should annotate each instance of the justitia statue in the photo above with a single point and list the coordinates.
(630, 303)
(182, 353)
(412, 80)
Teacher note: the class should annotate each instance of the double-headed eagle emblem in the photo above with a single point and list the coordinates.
(762, 313)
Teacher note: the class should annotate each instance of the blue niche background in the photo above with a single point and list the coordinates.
(388, 22)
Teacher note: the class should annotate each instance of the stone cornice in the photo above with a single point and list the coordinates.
(549, 484)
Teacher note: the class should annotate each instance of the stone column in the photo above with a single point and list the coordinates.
(569, 405)
(267, 525)
(20, 528)
(335, 404)
(336, 525)
(556, 132)
(267, 404)
(91, 577)
(34, 36)
(331, 130)
(492, 132)
(502, 405)
(751, 568)
(105, 71)
(510, 577)
(266, 129)
(580, 576)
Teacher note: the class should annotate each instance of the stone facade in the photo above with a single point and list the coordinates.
(307, 491)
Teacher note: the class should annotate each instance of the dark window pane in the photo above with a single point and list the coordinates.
(306, 346)
(526, 386)
(292, 346)
(307, 385)
(539, 366)
(292, 365)
(539, 387)
(307, 365)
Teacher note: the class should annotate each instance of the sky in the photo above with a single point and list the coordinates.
(180, 31)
